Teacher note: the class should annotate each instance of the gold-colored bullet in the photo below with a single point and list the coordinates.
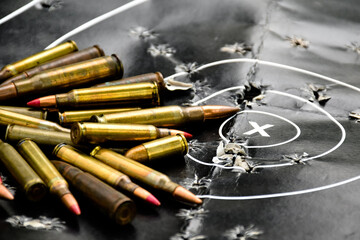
(30, 182)
(36, 59)
(129, 94)
(100, 132)
(73, 75)
(144, 174)
(79, 56)
(169, 115)
(36, 113)
(48, 173)
(102, 171)
(7, 117)
(165, 147)
(113, 203)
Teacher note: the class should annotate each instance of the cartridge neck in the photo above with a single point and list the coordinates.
(194, 114)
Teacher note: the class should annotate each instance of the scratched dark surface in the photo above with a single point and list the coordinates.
(196, 33)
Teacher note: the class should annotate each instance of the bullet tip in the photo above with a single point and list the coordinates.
(185, 195)
(34, 103)
(5, 193)
(75, 209)
(187, 135)
(151, 199)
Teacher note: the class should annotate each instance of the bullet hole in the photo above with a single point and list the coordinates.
(295, 158)
(50, 5)
(189, 214)
(252, 93)
(318, 93)
(187, 236)
(354, 46)
(298, 42)
(187, 67)
(41, 223)
(161, 50)
(239, 48)
(201, 89)
(243, 233)
(142, 33)
(355, 114)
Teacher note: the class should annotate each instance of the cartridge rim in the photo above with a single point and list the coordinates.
(23, 140)
(57, 148)
(76, 132)
(7, 131)
(72, 42)
(125, 213)
(101, 51)
(185, 143)
(119, 65)
(36, 191)
(98, 118)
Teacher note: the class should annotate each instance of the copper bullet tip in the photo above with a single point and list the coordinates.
(182, 194)
(142, 193)
(71, 203)
(5, 193)
(218, 111)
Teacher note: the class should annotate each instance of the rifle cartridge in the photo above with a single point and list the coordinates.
(30, 182)
(113, 203)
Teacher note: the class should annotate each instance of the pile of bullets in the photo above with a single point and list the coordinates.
(87, 91)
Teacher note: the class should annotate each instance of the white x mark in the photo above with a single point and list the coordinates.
(258, 129)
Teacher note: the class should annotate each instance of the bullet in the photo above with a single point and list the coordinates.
(144, 174)
(113, 203)
(40, 136)
(7, 117)
(36, 113)
(99, 132)
(29, 181)
(168, 116)
(165, 147)
(69, 117)
(102, 171)
(15, 68)
(83, 55)
(129, 94)
(56, 184)
(72, 75)
(4, 192)
(148, 77)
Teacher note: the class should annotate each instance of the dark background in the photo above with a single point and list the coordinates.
(197, 30)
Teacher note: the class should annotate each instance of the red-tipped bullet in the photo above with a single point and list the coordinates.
(34, 103)
(151, 199)
(144, 194)
(71, 203)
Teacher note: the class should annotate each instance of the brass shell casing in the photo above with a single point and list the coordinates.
(36, 59)
(113, 203)
(41, 114)
(7, 117)
(72, 75)
(129, 94)
(159, 148)
(79, 56)
(148, 77)
(93, 166)
(69, 117)
(30, 182)
(160, 116)
(43, 167)
(44, 137)
(99, 132)
(134, 169)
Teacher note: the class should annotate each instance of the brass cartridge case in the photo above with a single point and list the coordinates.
(160, 116)
(79, 56)
(148, 77)
(69, 117)
(134, 169)
(43, 167)
(7, 117)
(113, 203)
(41, 114)
(99, 132)
(30, 182)
(159, 148)
(72, 75)
(129, 94)
(93, 166)
(36, 59)
(40, 136)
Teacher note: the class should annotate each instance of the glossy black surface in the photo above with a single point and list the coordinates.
(196, 31)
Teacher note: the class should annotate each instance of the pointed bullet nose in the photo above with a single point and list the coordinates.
(151, 199)
(5, 193)
(34, 103)
(218, 111)
(75, 209)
